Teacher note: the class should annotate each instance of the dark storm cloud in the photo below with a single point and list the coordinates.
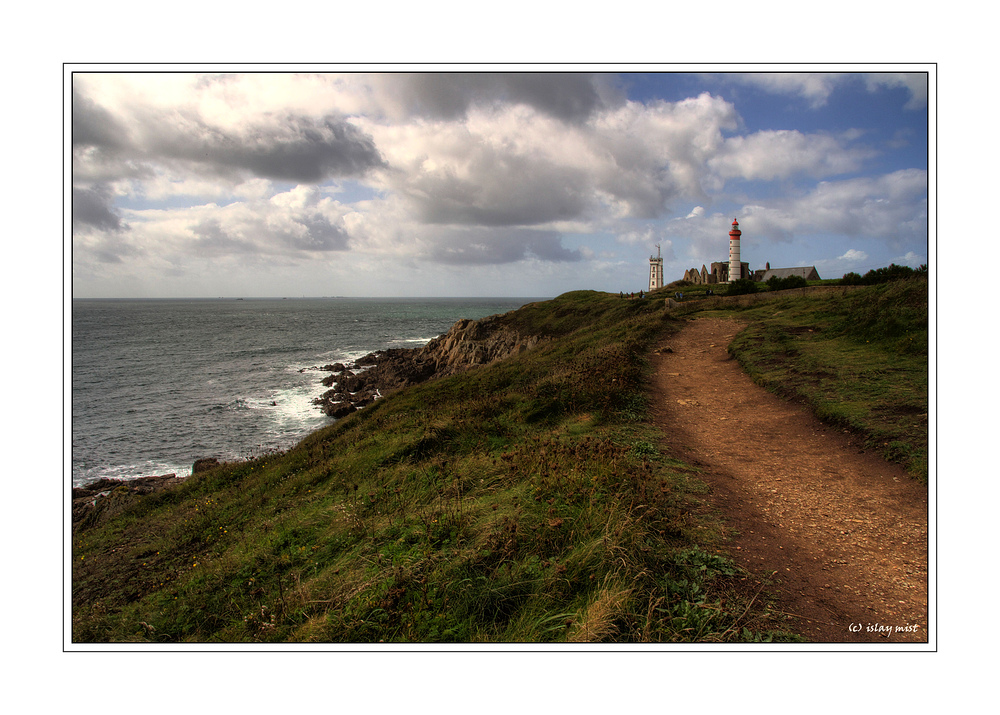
(449, 95)
(502, 190)
(566, 96)
(102, 146)
(498, 247)
(95, 126)
(293, 148)
(283, 148)
(92, 210)
(448, 208)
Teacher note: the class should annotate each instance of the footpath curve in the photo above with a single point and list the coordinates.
(844, 532)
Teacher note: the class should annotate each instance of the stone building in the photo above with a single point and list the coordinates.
(808, 272)
(718, 274)
(656, 270)
(721, 270)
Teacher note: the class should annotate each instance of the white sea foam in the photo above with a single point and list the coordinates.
(413, 342)
(292, 408)
(148, 468)
(335, 356)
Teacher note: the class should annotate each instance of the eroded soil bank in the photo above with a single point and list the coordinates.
(844, 532)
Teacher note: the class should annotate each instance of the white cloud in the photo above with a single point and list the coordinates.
(911, 259)
(779, 154)
(815, 87)
(914, 82)
(650, 237)
(888, 206)
(891, 208)
(854, 255)
(294, 225)
(471, 170)
(515, 166)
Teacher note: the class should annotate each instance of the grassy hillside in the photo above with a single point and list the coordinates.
(521, 502)
(526, 501)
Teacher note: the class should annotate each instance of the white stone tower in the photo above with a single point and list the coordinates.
(656, 270)
(735, 268)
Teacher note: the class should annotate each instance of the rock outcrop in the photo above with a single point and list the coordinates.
(97, 501)
(467, 344)
(470, 343)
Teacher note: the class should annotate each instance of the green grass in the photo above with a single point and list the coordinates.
(526, 501)
(859, 359)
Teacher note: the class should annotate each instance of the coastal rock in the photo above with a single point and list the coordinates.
(338, 409)
(467, 344)
(470, 343)
(95, 502)
(330, 367)
(201, 465)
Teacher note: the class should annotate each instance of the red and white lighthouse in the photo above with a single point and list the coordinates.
(735, 267)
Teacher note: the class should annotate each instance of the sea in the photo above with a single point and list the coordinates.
(157, 384)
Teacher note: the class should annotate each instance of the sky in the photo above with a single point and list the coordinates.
(478, 183)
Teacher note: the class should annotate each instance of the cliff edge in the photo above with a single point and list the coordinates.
(467, 344)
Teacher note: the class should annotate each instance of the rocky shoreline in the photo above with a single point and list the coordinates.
(96, 501)
(467, 344)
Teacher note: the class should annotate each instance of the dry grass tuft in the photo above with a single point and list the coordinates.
(598, 621)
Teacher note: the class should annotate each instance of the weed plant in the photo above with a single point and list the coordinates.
(523, 502)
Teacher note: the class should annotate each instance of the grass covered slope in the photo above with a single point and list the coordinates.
(520, 502)
(858, 358)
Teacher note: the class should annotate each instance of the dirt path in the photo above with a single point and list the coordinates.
(845, 531)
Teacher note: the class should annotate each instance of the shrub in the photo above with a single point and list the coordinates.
(775, 283)
(743, 286)
(889, 273)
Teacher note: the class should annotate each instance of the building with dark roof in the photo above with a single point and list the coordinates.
(734, 268)
(808, 272)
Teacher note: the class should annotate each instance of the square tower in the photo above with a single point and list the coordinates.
(656, 270)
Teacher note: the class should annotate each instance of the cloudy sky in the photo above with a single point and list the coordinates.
(477, 183)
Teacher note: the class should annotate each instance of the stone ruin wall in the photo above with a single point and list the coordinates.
(718, 274)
